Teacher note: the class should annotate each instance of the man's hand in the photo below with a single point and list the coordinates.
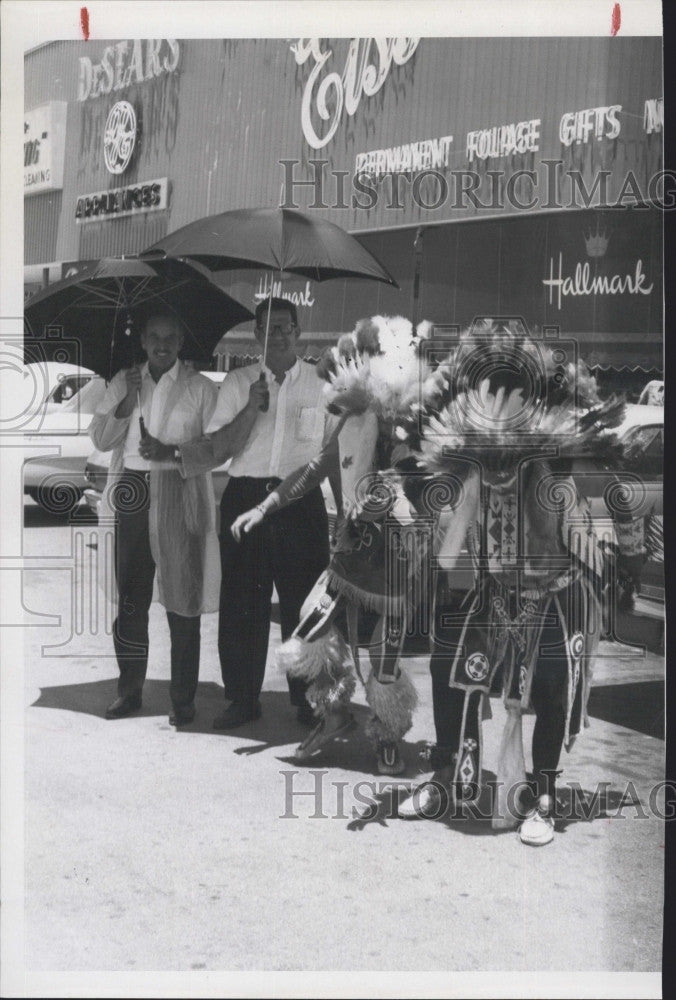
(126, 406)
(154, 450)
(259, 395)
(133, 380)
(246, 521)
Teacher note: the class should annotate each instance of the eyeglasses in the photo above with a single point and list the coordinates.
(286, 329)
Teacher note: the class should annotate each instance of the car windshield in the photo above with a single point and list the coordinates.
(86, 399)
(644, 449)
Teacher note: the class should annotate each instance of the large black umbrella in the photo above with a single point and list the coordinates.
(281, 239)
(93, 318)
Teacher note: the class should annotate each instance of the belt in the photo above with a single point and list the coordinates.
(269, 483)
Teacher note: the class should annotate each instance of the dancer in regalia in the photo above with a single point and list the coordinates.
(373, 380)
(503, 417)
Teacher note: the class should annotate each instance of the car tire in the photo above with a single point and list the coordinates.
(58, 498)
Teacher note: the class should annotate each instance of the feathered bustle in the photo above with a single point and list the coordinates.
(376, 367)
(392, 704)
(500, 396)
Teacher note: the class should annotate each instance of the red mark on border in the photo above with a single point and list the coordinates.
(84, 21)
(616, 20)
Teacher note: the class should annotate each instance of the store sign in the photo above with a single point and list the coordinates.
(428, 154)
(592, 123)
(504, 140)
(44, 145)
(328, 94)
(653, 115)
(126, 63)
(581, 281)
(146, 196)
(266, 289)
(119, 137)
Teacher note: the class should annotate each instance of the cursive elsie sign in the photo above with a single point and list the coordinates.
(329, 93)
(581, 282)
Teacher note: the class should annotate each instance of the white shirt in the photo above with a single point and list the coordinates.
(289, 434)
(186, 419)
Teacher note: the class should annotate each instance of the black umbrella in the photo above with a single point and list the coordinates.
(281, 239)
(93, 317)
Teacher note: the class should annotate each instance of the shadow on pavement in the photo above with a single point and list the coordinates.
(277, 726)
(573, 805)
(637, 705)
(93, 698)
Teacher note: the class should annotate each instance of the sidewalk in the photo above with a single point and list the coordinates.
(150, 849)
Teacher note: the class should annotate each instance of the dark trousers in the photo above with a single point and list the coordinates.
(135, 570)
(288, 550)
(548, 698)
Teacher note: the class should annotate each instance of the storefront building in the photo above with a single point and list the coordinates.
(492, 177)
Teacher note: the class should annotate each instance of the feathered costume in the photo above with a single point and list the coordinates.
(373, 380)
(503, 416)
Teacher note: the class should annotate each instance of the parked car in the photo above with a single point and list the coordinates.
(635, 593)
(57, 424)
(636, 491)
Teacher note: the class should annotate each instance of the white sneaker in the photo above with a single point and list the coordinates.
(424, 802)
(538, 827)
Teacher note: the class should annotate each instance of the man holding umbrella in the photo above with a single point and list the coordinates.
(165, 522)
(271, 419)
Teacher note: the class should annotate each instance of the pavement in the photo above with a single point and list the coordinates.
(149, 848)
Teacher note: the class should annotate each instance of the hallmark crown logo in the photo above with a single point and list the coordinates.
(596, 243)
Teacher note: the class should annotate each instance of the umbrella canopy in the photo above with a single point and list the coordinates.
(281, 239)
(100, 310)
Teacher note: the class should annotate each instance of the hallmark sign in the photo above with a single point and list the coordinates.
(44, 144)
(135, 199)
(580, 280)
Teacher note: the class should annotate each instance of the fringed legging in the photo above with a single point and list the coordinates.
(548, 697)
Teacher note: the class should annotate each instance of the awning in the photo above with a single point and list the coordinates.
(624, 356)
(309, 345)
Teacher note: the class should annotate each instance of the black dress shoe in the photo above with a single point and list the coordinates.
(306, 715)
(237, 714)
(182, 716)
(122, 707)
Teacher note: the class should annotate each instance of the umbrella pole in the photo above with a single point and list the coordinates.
(262, 377)
(267, 322)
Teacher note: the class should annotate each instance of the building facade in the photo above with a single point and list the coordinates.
(491, 176)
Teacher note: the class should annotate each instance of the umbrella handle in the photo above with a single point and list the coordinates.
(141, 422)
(265, 405)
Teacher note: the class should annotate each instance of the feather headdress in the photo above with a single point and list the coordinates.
(377, 367)
(501, 396)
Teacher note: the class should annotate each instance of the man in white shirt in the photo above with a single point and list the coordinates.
(165, 522)
(293, 548)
